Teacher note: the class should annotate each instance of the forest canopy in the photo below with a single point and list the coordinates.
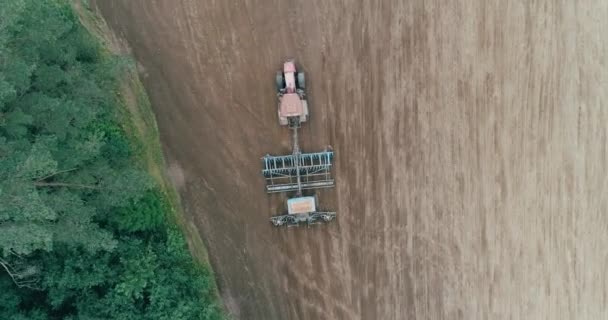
(84, 231)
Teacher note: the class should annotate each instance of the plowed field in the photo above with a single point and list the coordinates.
(470, 139)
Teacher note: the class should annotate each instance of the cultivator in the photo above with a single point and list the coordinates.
(298, 171)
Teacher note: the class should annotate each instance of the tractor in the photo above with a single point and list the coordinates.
(296, 172)
(293, 108)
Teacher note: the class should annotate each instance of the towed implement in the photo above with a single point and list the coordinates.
(297, 172)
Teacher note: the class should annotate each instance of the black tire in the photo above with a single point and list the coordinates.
(301, 80)
(280, 81)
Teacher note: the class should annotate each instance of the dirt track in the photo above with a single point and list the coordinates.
(471, 148)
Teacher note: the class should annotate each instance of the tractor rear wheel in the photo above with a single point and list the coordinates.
(280, 81)
(301, 80)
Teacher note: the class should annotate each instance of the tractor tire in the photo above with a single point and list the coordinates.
(301, 81)
(280, 81)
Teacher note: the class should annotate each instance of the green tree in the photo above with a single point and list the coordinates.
(83, 231)
(54, 171)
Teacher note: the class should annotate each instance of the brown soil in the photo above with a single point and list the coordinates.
(470, 139)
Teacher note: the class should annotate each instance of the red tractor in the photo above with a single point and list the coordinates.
(291, 84)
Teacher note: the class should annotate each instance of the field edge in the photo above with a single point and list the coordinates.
(138, 120)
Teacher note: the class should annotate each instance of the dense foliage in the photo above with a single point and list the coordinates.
(83, 229)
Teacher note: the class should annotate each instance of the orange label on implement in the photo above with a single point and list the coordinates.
(301, 205)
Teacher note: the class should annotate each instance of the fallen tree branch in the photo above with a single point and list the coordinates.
(24, 279)
(63, 184)
(54, 174)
